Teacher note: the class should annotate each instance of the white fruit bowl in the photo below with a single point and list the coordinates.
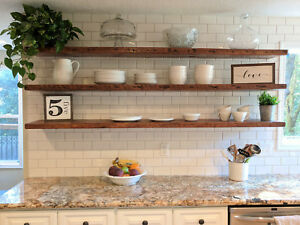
(125, 181)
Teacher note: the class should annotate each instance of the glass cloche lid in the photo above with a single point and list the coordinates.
(118, 29)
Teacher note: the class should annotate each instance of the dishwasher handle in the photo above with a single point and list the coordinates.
(258, 219)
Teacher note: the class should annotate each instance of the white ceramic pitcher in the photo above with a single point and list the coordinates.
(63, 72)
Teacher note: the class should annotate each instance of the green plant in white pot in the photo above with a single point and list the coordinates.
(34, 29)
(267, 105)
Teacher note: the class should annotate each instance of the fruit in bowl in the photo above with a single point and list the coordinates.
(125, 172)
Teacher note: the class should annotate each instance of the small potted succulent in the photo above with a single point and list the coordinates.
(34, 29)
(267, 104)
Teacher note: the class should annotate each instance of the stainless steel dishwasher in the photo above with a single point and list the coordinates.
(259, 215)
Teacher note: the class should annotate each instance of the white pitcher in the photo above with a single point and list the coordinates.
(63, 72)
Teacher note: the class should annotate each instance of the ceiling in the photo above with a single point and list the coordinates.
(199, 7)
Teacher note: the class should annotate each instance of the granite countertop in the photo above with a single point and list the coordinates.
(152, 191)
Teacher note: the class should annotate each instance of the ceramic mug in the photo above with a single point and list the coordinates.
(239, 116)
(224, 115)
(245, 108)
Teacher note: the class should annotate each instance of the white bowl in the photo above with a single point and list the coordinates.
(239, 116)
(109, 76)
(191, 116)
(125, 181)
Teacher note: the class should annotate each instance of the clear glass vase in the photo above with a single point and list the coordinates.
(244, 37)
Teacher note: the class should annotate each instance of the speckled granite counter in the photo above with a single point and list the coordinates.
(152, 191)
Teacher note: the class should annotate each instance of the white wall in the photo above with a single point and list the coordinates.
(192, 151)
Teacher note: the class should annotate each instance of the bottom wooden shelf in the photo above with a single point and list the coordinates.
(81, 124)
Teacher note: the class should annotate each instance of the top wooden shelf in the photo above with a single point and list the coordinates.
(151, 52)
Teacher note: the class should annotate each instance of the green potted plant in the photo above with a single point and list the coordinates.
(36, 28)
(266, 106)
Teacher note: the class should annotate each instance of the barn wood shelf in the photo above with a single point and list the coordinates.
(81, 124)
(153, 87)
(151, 52)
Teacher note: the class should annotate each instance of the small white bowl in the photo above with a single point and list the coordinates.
(125, 181)
(239, 116)
(191, 116)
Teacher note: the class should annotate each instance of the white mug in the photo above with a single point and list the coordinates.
(224, 115)
(177, 74)
(239, 116)
(245, 108)
(204, 74)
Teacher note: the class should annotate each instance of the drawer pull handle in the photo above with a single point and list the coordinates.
(145, 222)
(26, 224)
(85, 223)
(201, 221)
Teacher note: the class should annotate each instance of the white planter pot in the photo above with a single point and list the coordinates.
(238, 171)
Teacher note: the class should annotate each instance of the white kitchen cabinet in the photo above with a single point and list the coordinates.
(28, 218)
(144, 217)
(199, 216)
(86, 217)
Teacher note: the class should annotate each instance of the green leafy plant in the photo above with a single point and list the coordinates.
(31, 31)
(266, 99)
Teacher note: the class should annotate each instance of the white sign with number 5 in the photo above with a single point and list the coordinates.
(58, 107)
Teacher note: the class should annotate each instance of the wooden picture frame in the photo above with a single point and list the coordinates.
(58, 107)
(259, 73)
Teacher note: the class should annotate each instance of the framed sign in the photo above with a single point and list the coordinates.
(261, 73)
(58, 107)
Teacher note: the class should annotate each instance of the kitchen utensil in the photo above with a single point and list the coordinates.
(182, 37)
(204, 74)
(177, 74)
(145, 78)
(239, 116)
(118, 29)
(191, 116)
(125, 181)
(63, 72)
(245, 108)
(126, 118)
(109, 76)
(161, 119)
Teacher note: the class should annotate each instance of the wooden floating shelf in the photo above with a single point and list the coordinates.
(151, 52)
(153, 87)
(81, 124)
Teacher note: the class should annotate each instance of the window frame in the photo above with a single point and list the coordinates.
(282, 144)
(17, 163)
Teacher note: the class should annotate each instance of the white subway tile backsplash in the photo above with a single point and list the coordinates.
(194, 151)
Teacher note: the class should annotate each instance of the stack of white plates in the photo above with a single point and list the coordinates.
(110, 76)
(145, 78)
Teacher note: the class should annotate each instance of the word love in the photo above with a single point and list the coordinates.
(250, 75)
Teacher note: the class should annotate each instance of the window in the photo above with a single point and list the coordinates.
(289, 111)
(11, 129)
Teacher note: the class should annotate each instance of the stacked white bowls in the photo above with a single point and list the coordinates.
(110, 76)
(177, 74)
(204, 74)
(145, 78)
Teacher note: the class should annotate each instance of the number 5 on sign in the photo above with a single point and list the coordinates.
(58, 107)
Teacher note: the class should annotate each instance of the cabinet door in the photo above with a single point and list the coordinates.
(199, 216)
(28, 218)
(86, 217)
(144, 217)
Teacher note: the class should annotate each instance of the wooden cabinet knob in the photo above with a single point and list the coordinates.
(85, 223)
(145, 222)
(201, 221)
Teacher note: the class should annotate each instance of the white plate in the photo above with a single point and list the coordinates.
(161, 119)
(126, 118)
(110, 82)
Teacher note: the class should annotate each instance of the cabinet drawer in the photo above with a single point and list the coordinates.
(144, 217)
(86, 217)
(199, 216)
(28, 218)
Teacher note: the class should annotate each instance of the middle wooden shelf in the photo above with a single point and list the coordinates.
(152, 87)
(178, 123)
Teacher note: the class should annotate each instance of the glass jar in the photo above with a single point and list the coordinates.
(118, 29)
(244, 37)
